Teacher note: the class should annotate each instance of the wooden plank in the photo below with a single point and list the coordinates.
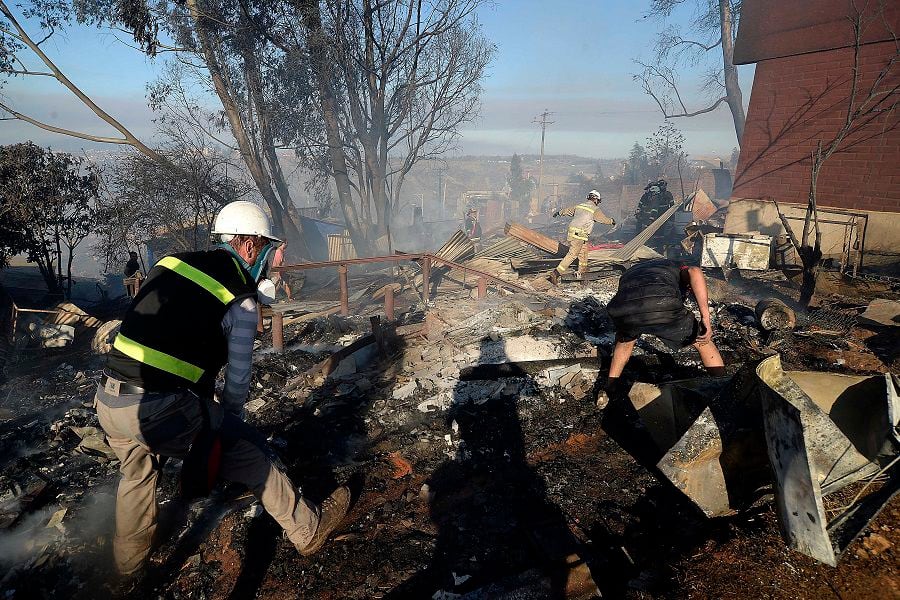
(301, 305)
(313, 315)
(533, 238)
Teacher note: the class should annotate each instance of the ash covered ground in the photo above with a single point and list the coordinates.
(507, 486)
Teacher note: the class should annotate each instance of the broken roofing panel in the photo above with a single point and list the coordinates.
(707, 434)
(825, 431)
(720, 441)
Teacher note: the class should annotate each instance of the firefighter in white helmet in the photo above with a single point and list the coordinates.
(584, 215)
(195, 313)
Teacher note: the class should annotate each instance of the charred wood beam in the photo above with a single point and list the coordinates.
(538, 240)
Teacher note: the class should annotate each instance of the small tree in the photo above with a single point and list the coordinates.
(520, 187)
(144, 200)
(78, 221)
(638, 165)
(49, 198)
(666, 155)
(882, 98)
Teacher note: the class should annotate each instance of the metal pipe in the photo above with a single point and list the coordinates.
(490, 277)
(345, 295)
(426, 278)
(349, 261)
(397, 258)
(389, 302)
(482, 286)
(278, 332)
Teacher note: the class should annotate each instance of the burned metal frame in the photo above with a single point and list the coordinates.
(426, 261)
(816, 450)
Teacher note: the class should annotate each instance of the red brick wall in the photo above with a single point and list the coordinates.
(801, 99)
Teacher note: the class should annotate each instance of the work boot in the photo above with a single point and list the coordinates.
(128, 586)
(332, 512)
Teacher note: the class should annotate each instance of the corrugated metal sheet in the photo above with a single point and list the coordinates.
(506, 248)
(69, 314)
(340, 247)
(458, 248)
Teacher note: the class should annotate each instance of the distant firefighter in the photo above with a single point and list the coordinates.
(471, 226)
(584, 215)
(132, 266)
(655, 201)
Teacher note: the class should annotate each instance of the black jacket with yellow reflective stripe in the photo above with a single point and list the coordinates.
(171, 337)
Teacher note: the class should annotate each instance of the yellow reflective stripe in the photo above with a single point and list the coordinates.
(199, 277)
(155, 358)
(578, 233)
(240, 270)
(589, 208)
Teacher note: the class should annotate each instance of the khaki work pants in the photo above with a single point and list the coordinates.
(143, 428)
(575, 246)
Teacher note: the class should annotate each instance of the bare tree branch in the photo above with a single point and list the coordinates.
(87, 101)
(52, 128)
(715, 18)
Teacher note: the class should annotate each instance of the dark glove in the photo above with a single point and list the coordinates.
(556, 214)
(200, 468)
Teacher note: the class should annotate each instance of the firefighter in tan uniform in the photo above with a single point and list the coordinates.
(194, 314)
(584, 215)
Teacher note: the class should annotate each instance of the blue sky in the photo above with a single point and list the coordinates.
(572, 57)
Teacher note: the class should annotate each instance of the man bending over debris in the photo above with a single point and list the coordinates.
(584, 216)
(650, 299)
(194, 313)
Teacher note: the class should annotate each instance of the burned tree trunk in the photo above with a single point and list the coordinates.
(248, 150)
(267, 143)
(733, 96)
(318, 53)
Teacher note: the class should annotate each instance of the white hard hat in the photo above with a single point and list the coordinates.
(242, 218)
(594, 195)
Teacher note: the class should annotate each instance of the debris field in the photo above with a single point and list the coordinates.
(480, 464)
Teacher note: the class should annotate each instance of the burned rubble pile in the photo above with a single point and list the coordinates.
(481, 464)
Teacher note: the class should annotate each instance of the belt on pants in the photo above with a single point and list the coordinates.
(115, 387)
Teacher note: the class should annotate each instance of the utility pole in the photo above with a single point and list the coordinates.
(440, 191)
(543, 122)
